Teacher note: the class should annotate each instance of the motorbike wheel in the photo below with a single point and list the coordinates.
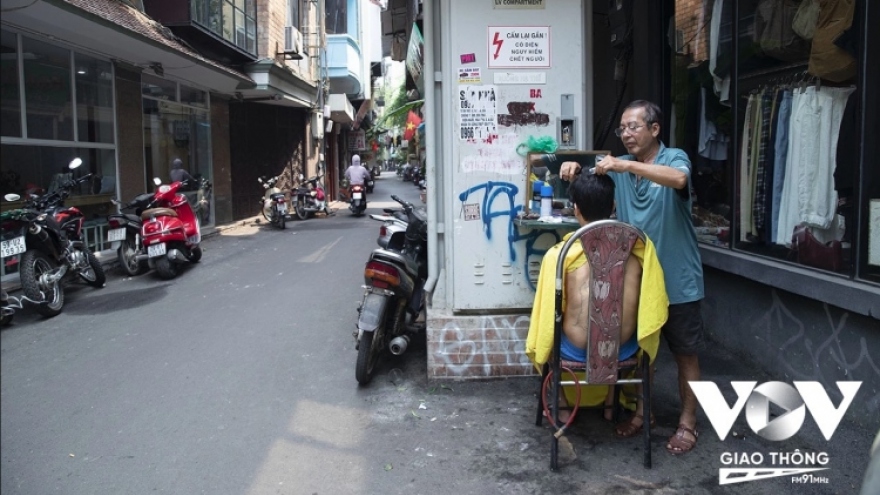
(301, 212)
(94, 274)
(195, 254)
(366, 359)
(127, 254)
(33, 265)
(282, 222)
(166, 268)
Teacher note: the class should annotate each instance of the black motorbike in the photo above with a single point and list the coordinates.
(125, 229)
(49, 238)
(309, 197)
(394, 281)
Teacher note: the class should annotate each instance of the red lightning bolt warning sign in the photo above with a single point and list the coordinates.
(497, 42)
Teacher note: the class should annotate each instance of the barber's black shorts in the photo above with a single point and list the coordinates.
(684, 329)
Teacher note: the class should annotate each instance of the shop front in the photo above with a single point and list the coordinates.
(776, 121)
(57, 105)
(177, 126)
(117, 92)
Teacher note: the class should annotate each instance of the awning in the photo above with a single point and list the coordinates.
(119, 31)
(340, 109)
(277, 85)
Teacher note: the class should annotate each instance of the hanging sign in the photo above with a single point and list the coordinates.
(357, 140)
(519, 47)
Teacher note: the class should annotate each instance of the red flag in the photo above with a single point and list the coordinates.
(412, 122)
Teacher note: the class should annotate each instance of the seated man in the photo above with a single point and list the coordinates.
(593, 199)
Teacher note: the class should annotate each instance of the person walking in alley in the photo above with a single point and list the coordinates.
(653, 193)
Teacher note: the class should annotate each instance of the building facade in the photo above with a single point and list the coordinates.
(233, 89)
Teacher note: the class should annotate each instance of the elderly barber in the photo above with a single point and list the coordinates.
(652, 192)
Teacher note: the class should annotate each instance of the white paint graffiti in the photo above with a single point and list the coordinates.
(499, 335)
(828, 359)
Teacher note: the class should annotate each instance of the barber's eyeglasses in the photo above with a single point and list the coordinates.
(632, 128)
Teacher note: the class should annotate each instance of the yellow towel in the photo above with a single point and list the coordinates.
(653, 307)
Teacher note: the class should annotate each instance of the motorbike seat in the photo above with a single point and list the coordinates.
(164, 212)
(276, 196)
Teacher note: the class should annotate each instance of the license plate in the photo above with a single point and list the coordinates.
(156, 250)
(13, 247)
(282, 208)
(357, 195)
(115, 235)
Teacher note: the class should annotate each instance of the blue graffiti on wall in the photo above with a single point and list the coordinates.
(508, 212)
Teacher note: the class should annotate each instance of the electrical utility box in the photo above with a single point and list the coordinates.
(503, 73)
(509, 71)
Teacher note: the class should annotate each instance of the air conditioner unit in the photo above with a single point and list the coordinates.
(293, 44)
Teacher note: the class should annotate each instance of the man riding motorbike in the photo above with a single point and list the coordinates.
(357, 173)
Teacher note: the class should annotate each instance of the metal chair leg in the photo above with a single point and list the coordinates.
(539, 417)
(646, 403)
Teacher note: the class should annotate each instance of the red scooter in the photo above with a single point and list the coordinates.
(171, 232)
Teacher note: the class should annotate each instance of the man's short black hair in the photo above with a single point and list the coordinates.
(652, 111)
(594, 196)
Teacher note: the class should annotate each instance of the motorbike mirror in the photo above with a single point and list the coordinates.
(12, 197)
(76, 162)
(157, 181)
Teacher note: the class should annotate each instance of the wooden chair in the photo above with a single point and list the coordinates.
(607, 245)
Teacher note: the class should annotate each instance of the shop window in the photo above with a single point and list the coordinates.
(156, 87)
(176, 131)
(193, 96)
(797, 118)
(772, 128)
(94, 99)
(10, 105)
(701, 117)
(48, 96)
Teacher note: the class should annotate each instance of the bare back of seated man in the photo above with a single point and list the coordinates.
(593, 199)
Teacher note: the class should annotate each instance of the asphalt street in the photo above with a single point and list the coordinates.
(238, 377)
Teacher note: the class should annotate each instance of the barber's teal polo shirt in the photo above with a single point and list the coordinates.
(665, 216)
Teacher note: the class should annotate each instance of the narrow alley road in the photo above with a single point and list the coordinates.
(238, 378)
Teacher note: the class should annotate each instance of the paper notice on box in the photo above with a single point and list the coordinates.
(469, 75)
(477, 115)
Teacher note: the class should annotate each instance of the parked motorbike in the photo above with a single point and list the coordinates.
(125, 234)
(171, 231)
(358, 199)
(394, 282)
(48, 236)
(391, 233)
(274, 204)
(310, 198)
